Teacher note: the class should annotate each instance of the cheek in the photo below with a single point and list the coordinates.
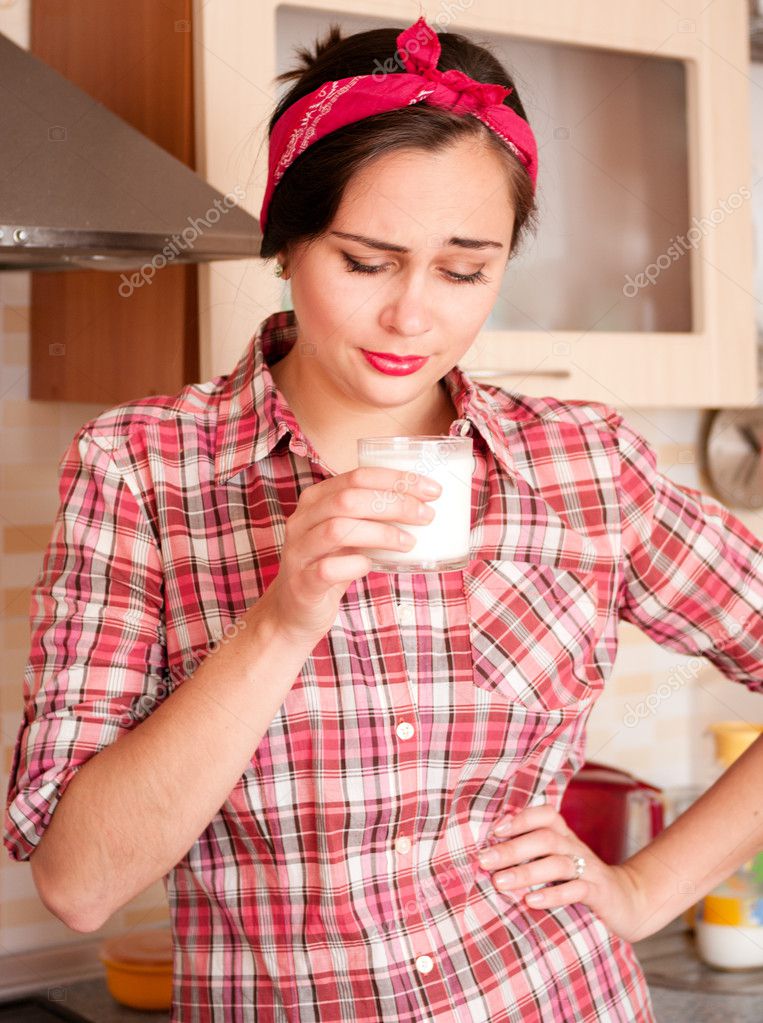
(467, 306)
(322, 302)
(335, 296)
(463, 321)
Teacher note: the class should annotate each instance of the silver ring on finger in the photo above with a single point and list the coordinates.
(578, 863)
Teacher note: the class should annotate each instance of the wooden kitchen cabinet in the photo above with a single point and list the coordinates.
(638, 286)
(88, 343)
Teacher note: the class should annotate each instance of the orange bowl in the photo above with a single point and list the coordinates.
(140, 987)
(139, 968)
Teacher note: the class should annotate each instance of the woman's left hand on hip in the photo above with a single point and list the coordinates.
(540, 848)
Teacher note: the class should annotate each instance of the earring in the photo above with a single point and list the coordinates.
(278, 271)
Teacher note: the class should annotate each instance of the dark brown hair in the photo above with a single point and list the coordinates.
(309, 194)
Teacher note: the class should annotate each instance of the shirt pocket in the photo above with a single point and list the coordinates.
(533, 628)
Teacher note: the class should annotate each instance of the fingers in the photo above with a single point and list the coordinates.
(340, 571)
(510, 871)
(539, 851)
(543, 815)
(357, 495)
(576, 890)
(542, 842)
(348, 535)
(393, 482)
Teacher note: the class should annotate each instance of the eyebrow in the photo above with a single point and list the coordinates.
(374, 243)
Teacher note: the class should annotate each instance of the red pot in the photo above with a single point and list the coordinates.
(612, 811)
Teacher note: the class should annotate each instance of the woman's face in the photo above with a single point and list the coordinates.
(410, 301)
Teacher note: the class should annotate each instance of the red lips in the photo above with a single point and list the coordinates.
(395, 358)
(394, 365)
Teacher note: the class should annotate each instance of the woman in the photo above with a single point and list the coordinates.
(313, 755)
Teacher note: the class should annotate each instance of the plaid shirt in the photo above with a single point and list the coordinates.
(338, 882)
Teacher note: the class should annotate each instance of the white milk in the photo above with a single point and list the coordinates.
(443, 543)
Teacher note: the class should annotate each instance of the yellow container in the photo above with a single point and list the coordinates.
(732, 738)
(139, 968)
(724, 909)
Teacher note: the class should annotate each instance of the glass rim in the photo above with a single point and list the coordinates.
(402, 440)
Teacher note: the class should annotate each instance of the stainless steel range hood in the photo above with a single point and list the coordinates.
(82, 189)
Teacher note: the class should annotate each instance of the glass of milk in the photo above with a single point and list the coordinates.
(442, 545)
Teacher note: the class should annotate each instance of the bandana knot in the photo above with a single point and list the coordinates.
(419, 49)
(471, 95)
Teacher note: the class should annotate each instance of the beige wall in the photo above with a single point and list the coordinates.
(666, 747)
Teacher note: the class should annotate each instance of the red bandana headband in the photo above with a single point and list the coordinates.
(341, 102)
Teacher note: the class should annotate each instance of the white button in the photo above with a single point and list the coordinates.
(403, 844)
(404, 730)
(424, 964)
(406, 613)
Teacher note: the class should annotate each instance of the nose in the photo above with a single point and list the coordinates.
(408, 307)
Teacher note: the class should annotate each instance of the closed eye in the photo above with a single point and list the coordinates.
(353, 266)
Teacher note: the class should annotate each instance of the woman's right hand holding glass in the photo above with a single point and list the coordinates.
(333, 521)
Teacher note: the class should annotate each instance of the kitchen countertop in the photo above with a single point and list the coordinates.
(681, 1006)
(92, 1000)
(682, 987)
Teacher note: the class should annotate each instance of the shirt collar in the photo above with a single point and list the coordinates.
(254, 416)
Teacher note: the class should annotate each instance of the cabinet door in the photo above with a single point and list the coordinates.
(88, 343)
(638, 286)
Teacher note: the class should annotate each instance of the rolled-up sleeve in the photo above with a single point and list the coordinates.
(97, 637)
(692, 572)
